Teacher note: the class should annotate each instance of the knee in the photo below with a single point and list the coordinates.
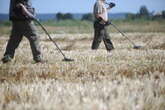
(33, 38)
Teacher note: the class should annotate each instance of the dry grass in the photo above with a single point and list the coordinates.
(127, 80)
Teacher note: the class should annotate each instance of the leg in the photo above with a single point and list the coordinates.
(13, 43)
(107, 41)
(33, 38)
(98, 36)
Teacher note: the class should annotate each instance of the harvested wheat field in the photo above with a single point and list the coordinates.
(127, 79)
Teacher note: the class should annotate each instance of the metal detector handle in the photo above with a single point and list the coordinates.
(50, 38)
(111, 4)
(122, 33)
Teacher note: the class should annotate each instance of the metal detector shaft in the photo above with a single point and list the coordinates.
(106, 3)
(123, 34)
(51, 38)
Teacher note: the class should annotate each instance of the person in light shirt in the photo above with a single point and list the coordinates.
(100, 13)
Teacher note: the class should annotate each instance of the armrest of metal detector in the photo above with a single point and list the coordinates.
(102, 21)
(108, 23)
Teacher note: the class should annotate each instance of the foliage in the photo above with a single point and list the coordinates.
(5, 23)
(143, 12)
(61, 16)
(88, 17)
(163, 14)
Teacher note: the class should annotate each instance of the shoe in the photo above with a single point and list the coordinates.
(109, 52)
(6, 59)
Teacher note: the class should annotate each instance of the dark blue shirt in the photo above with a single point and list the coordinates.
(15, 13)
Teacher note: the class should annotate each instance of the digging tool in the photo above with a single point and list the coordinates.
(134, 45)
(65, 58)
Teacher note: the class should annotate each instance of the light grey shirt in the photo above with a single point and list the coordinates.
(100, 8)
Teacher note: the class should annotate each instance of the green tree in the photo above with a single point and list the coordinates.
(143, 12)
(59, 16)
(163, 14)
(68, 16)
(88, 17)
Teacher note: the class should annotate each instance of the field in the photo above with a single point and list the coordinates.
(127, 79)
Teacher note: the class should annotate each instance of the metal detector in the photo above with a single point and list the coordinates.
(134, 45)
(65, 58)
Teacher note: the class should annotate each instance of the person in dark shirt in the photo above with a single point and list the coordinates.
(21, 15)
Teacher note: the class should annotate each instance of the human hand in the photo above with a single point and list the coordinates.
(107, 23)
(25, 11)
(111, 5)
(20, 5)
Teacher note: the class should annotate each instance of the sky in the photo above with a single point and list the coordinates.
(86, 6)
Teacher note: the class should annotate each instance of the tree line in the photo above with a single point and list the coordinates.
(142, 14)
(69, 16)
(145, 14)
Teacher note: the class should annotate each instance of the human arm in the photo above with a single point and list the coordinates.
(111, 5)
(25, 11)
(100, 18)
(100, 11)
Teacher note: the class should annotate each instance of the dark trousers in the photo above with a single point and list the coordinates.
(100, 33)
(20, 29)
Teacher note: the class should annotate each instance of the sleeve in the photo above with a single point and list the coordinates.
(98, 8)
